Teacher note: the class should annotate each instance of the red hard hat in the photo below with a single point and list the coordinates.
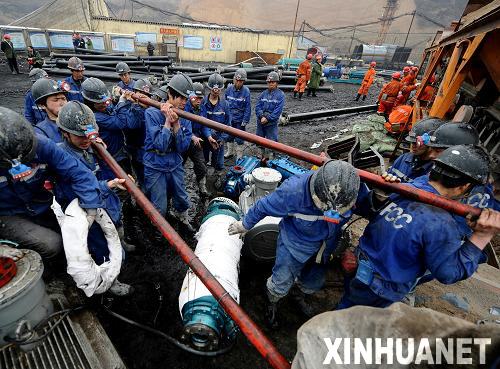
(309, 56)
(396, 75)
(406, 69)
(6, 36)
(373, 64)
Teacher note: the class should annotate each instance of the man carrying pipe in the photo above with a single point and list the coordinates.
(367, 82)
(406, 238)
(32, 112)
(238, 97)
(167, 138)
(303, 76)
(268, 110)
(314, 206)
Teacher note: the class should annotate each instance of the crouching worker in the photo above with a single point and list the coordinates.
(407, 238)
(78, 126)
(167, 138)
(26, 159)
(314, 206)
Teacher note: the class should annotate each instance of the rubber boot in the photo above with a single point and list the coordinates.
(364, 97)
(294, 94)
(120, 289)
(272, 310)
(219, 179)
(229, 152)
(202, 186)
(128, 247)
(314, 93)
(300, 300)
(183, 218)
(308, 92)
(239, 151)
(357, 97)
(300, 96)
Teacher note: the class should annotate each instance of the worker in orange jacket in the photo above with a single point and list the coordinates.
(367, 81)
(388, 95)
(303, 76)
(428, 92)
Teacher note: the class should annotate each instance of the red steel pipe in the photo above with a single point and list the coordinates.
(265, 347)
(374, 179)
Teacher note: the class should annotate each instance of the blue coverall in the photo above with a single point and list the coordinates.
(64, 193)
(241, 108)
(219, 113)
(481, 196)
(135, 143)
(403, 241)
(163, 169)
(407, 167)
(24, 202)
(300, 240)
(270, 105)
(111, 125)
(49, 129)
(129, 87)
(75, 92)
(32, 112)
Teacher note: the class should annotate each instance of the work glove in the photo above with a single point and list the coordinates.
(236, 228)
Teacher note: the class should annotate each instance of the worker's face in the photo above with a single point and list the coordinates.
(77, 75)
(102, 106)
(196, 101)
(179, 102)
(418, 150)
(30, 50)
(80, 142)
(272, 85)
(125, 77)
(215, 93)
(54, 104)
(238, 84)
(433, 153)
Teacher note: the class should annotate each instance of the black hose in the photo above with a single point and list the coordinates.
(64, 312)
(169, 338)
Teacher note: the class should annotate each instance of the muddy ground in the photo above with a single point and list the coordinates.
(157, 264)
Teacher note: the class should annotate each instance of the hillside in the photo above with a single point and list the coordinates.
(262, 14)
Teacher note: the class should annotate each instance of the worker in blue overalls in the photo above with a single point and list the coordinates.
(238, 97)
(201, 136)
(126, 81)
(112, 121)
(216, 109)
(78, 126)
(75, 65)
(167, 138)
(32, 112)
(27, 162)
(268, 110)
(406, 240)
(50, 97)
(314, 206)
(429, 138)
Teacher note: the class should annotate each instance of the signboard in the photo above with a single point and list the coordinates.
(122, 44)
(169, 31)
(17, 39)
(215, 43)
(61, 40)
(38, 40)
(145, 37)
(97, 40)
(193, 42)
